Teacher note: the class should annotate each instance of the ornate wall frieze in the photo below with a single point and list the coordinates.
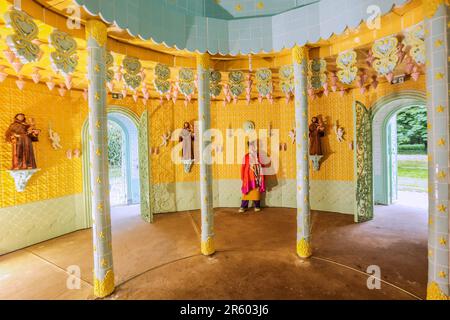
(25, 33)
(386, 57)
(64, 59)
(346, 63)
(132, 75)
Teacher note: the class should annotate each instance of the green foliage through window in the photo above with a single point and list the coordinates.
(115, 144)
(412, 128)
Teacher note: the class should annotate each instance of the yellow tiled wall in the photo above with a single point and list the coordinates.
(59, 176)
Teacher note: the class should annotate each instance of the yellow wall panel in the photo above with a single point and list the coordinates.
(59, 176)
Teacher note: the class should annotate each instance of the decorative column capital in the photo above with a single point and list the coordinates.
(203, 60)
(431, 6)
(97, 30)
(299, 54)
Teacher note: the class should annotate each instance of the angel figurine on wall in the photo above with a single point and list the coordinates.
(165, 139)
(340, 132)
(55, 139)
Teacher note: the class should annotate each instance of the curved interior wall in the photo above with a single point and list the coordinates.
(52, 204)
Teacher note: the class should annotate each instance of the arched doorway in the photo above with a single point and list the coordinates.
(125, 175)
(123, 160)
(386, 158)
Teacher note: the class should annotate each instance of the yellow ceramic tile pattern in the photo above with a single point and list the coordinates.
(59, 176)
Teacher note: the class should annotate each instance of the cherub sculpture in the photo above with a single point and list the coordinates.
(55, 139)
(339, 132)
(165, 139)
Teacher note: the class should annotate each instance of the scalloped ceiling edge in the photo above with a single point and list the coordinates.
(233, 52)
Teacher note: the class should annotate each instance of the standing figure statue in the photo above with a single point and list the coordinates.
(253, 184)
(21, 135)
(187, 139)
(316, 132)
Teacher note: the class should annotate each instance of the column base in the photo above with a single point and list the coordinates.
(304, 249)
(105, 287)
(208, 247)
(435, 293)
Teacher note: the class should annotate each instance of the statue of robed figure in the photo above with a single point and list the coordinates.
(316, 132)
(187, 140)
(21, 135)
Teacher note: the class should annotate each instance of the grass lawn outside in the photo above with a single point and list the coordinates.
(412, 173)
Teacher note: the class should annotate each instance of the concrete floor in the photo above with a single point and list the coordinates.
(255, 259)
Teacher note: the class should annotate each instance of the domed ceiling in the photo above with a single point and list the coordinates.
(236, 26)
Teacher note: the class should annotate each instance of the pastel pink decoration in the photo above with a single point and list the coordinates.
(288, 98)
(409, 66)
(334, 79)
(400, 52)
(415, 74)
(69, 154)
(270, 98)
(17, 66)
(342, 92)
(36, 76)
(370, 58)
(175, 94)
(168, 96)
(68, 83)
(3, 76)
(146, 95)
(235, 99)
(374, 82)
(390, 77)
(118, 76)
(326, 92)
(110, 86)
(9, 55)
(124, 93)
(135, 97)
(62, 91)
(50, 84)
(20, 83)
(310, 92)
(36, 42)
(143, 75)
(260, 98)
(362, 90)
(85, 94)
(145, 101)
(76, 153)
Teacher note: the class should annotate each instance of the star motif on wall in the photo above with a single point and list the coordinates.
(439, 76)
(100, 207)
(97, 124)
(442, 175)
(99, 180)
(97, 96)
(442, 208)
(97, 68)
(440, 109)
(103, 263)
(430, 253)
(98, 152)
(441, 142)
(430, 221)
(442, 241)
(438, 43)
(238, 7)
(442, 275)
(101, 235)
